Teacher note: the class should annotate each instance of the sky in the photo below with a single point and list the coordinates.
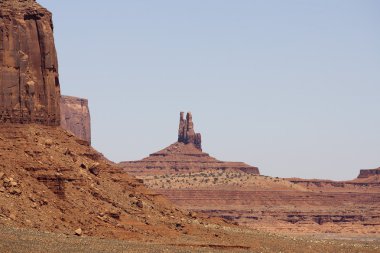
(292, 87)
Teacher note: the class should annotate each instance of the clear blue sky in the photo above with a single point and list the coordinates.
(290, 86)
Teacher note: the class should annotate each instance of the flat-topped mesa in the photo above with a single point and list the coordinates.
(29, 84)
(186, 133)
(369, 173)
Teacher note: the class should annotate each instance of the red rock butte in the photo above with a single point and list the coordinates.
(183, 156)
(29, 83)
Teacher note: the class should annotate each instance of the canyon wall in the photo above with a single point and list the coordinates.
(29, 84)
(75, 117)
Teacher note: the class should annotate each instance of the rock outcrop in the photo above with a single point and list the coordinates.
(184, 156)
(186, 133)
(75, 117)
(369, 173)
(29, 84)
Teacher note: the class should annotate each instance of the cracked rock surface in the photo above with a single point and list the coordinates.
(29, 83)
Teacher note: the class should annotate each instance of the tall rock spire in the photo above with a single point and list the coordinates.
(186, 133)
(29, 85)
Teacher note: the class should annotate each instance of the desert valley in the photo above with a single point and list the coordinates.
(59, 194)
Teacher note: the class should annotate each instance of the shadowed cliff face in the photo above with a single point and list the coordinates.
(29, 84)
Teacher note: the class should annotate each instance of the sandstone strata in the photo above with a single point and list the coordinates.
(75, 117)
(180, 158)
(184, 156)
(276, 204)
(285, 210)
(29, 84)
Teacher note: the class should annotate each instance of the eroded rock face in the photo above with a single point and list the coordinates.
(75, 117)
(29, 84)
(369, 173)
(186, 133)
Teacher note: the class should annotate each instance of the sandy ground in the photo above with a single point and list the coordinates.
(15, 240)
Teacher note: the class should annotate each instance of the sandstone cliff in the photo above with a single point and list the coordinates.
(29, 84)
(75, 117)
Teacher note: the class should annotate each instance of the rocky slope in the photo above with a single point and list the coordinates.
(52, 181)
(180, 158)
(29, 84)
(75, 117)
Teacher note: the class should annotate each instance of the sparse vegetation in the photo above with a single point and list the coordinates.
(225, 178)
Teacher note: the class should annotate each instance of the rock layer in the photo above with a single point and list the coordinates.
(29, 84)
(180, 158)
(75, 117)
(306, 211)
